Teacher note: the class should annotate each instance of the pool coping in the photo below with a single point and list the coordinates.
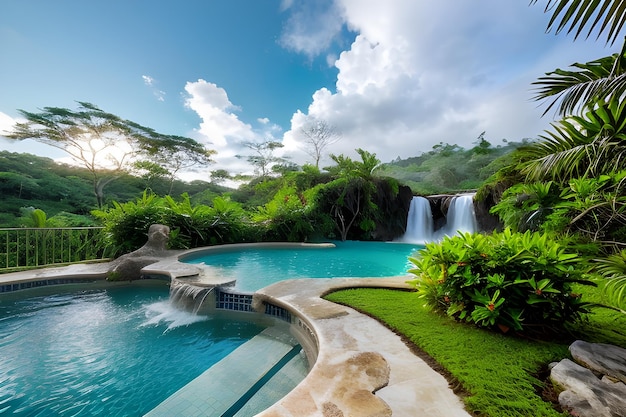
(362, 367)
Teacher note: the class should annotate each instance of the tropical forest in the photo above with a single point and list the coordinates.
(493, 309)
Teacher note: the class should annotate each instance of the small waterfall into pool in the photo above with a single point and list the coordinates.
(420, 224)
(192, 298)
(460, 217)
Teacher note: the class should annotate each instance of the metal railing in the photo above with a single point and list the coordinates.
(34, 247)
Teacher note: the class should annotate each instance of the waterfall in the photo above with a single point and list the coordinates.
(189, 297)
(420, 223)
(461, 217)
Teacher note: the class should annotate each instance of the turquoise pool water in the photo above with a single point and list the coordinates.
(255, 268)
(113, 352)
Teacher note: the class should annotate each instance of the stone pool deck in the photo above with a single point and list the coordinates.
(362, 369)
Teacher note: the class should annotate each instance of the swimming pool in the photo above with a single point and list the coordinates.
(122, 351)
(256, 267)
(113, 352)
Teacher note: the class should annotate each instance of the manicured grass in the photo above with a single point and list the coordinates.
(498, 372)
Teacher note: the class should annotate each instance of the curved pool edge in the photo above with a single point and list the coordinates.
(236, 246)
(174, 267)
(362, 367)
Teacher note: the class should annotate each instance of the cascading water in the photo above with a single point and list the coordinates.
(420, 224)
(461, 217)
(189, 297)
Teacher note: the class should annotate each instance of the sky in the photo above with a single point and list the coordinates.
(393, 77)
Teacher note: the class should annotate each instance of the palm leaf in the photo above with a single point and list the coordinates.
(575, 16)
(613, 270)
(586, 145)
(558, 155)
(595, 80)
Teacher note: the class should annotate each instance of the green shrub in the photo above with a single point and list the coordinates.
(289, 216)
(126, 225)
(506, 280)
(592, 208)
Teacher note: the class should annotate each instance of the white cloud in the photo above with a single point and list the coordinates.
(6, 123)
(222, 130)
(312, 25)
(422, 72)
(147, 80)
(150, 82)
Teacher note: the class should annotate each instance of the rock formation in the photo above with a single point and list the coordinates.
(593, 384)
(128, 267)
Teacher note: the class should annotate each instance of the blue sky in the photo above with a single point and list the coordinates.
(393, 77)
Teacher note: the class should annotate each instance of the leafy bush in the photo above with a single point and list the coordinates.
(506, 280)
(526, 206)
(284, 217)
(290, 216)
(590, 207)
(126, 225)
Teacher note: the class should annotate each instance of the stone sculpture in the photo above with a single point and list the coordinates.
(128, 267)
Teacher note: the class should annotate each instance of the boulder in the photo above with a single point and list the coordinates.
(606, 359)
(593, 385)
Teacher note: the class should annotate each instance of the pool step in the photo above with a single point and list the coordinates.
(250, 379)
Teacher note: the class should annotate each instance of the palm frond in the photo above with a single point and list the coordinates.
(585, 145)
(576, 88)
(558, 155)
(613, 270)
(598, 15)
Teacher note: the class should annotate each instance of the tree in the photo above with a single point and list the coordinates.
(103, 143)
(263, 156)
(318, 135)
(219, 176)
(483, 146)
(176, 153)
(599, 79)
(351, 193)
(346, 167)
(150, 172)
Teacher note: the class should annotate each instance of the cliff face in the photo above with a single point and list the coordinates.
(397, 209)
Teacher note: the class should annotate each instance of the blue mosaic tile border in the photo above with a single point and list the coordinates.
(243, 302)
(233, 301)
(42, 283)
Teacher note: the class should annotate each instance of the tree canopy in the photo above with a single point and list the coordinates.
(105, 144)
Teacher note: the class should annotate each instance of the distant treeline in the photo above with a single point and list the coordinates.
(65, 192)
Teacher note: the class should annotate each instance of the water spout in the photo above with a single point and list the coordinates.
(189, 297)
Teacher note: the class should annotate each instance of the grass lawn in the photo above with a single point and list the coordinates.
(499, 375)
